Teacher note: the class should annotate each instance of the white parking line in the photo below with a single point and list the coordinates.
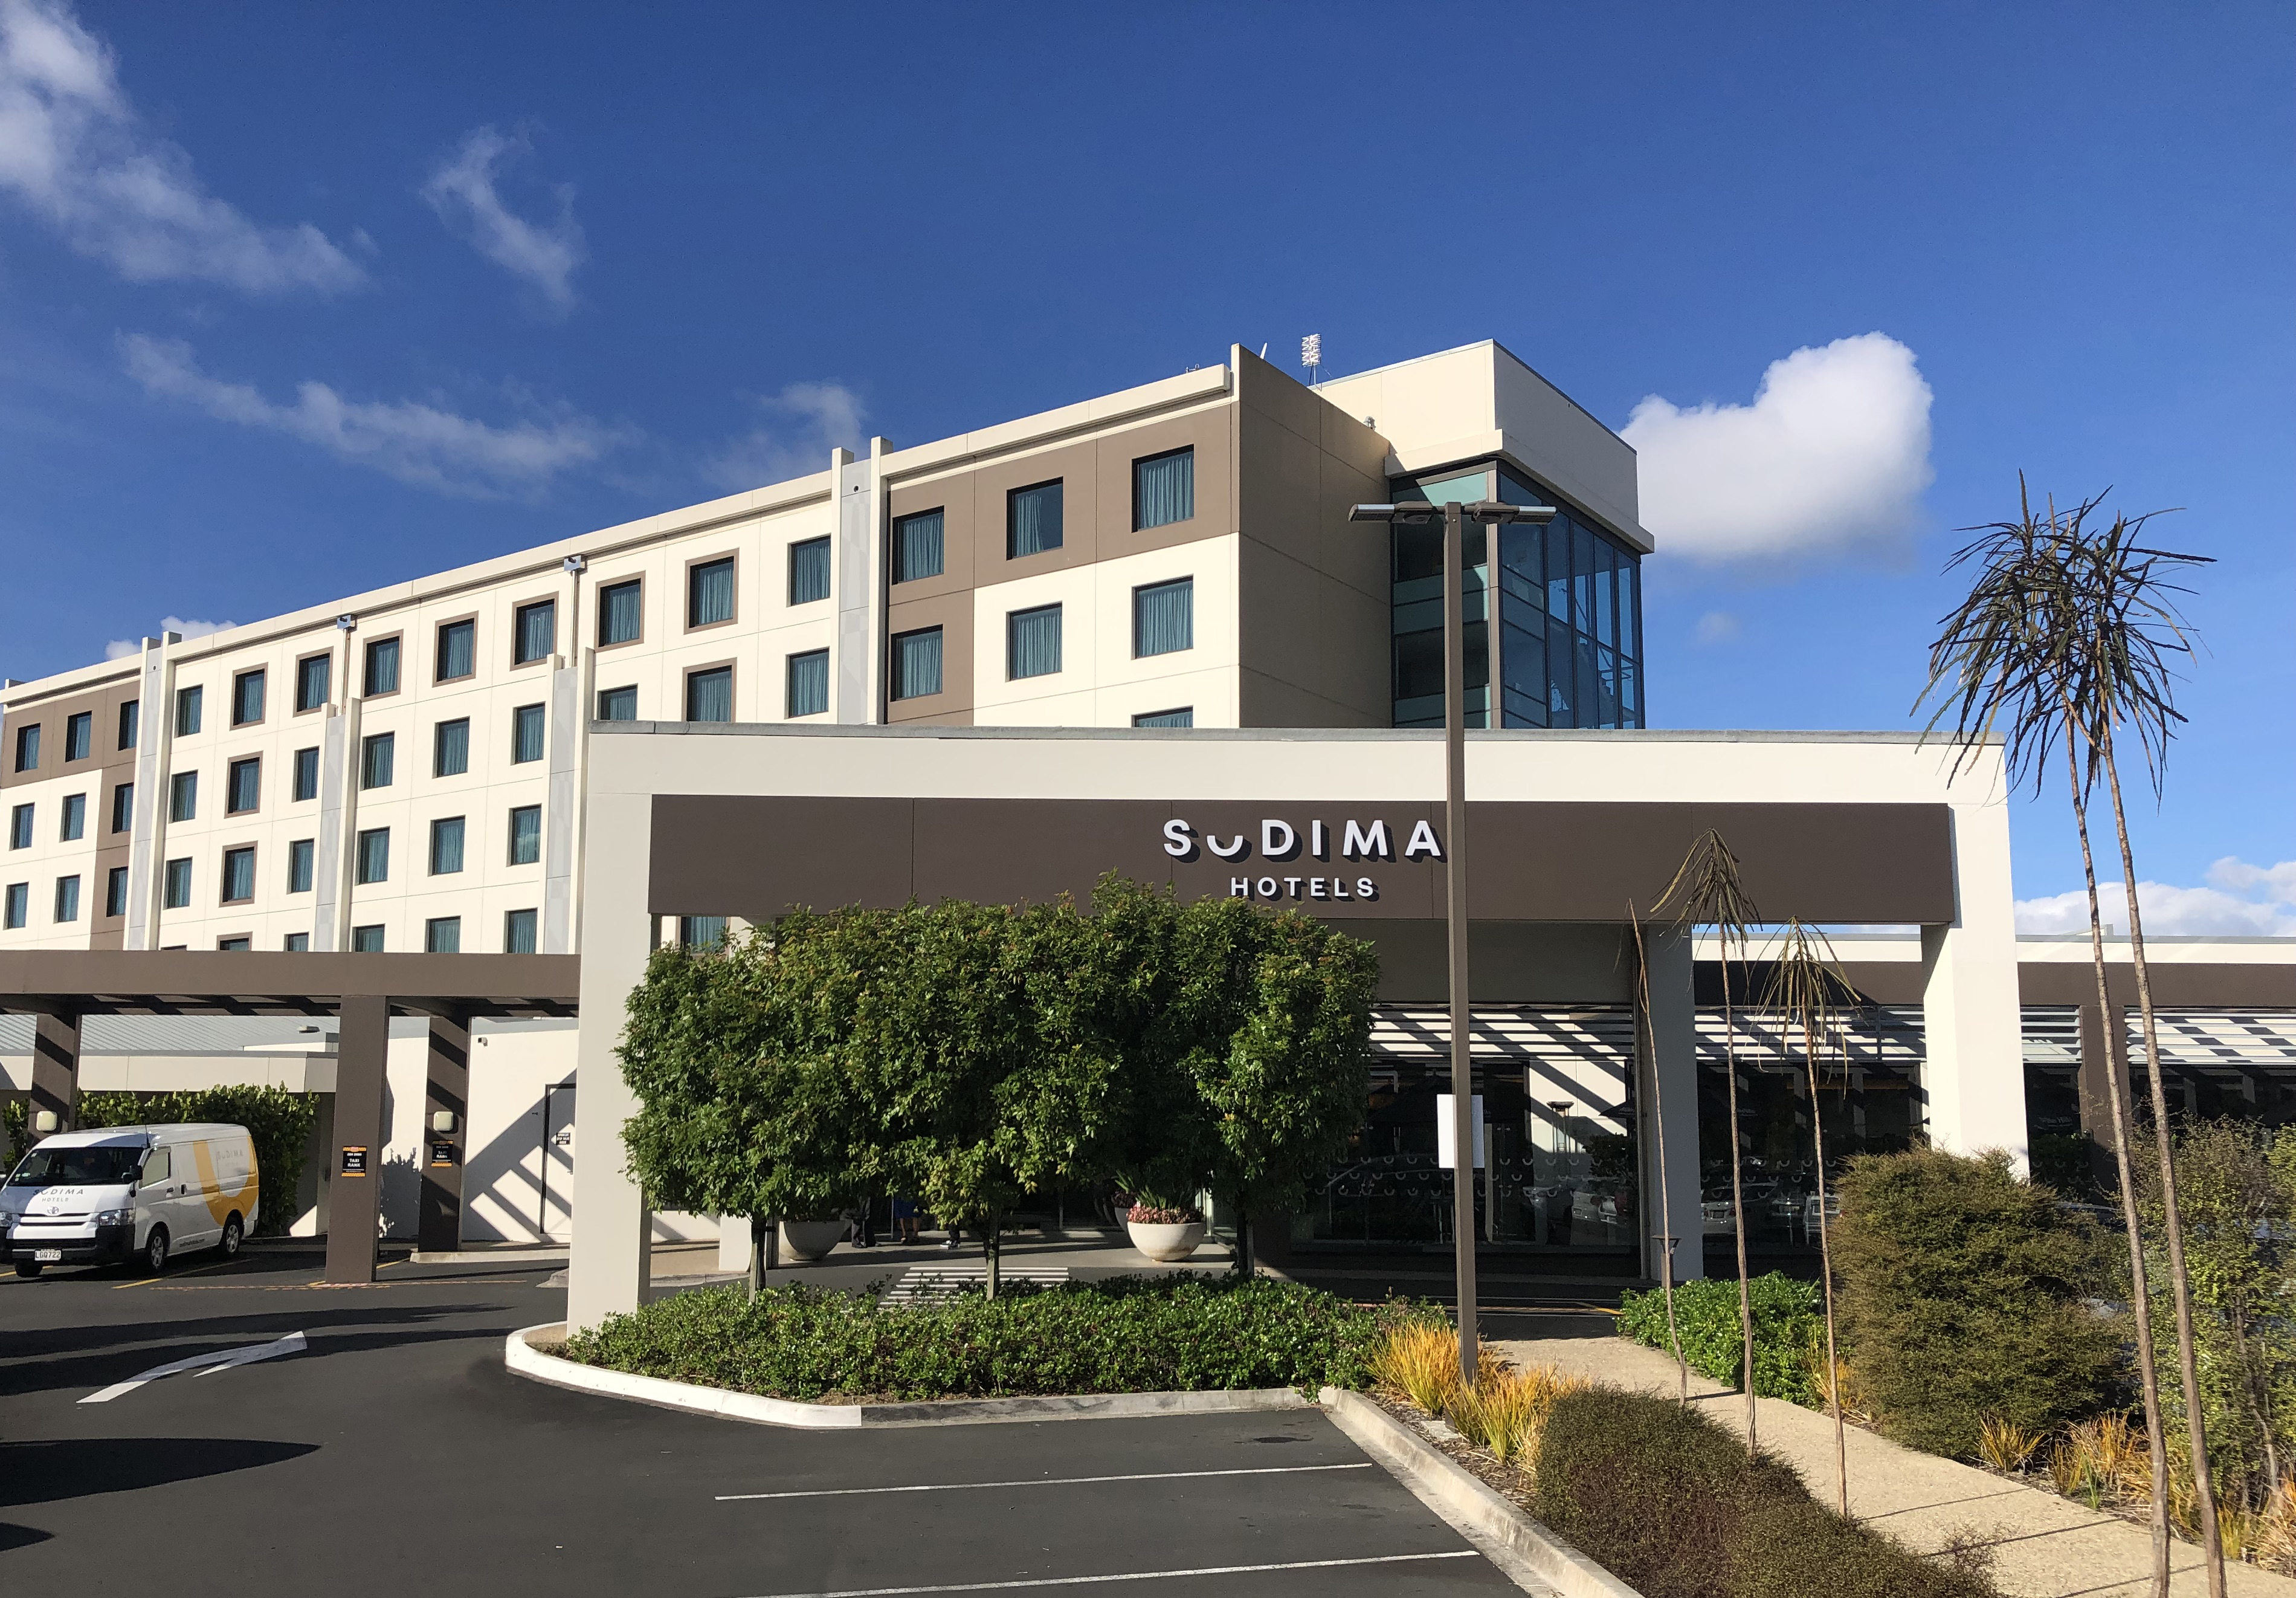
(221, 1359)
(1039, 1481)
(1080, 1581)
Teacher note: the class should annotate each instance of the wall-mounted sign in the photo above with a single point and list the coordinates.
(442, 1154)
(1280, 841)
(354, 1160)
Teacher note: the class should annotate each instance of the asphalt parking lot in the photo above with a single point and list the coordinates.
(390, 1449)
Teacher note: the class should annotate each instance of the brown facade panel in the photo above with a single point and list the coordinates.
(2175, 985)
(204, 982)
(105, 757)
(718, 854)
(953, 614)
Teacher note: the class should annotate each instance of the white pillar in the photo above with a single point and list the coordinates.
(734, 1243)
(1673, 1033)
(609, 1262)
(1973, 1056)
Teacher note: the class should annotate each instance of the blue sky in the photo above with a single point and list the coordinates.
(546, 268)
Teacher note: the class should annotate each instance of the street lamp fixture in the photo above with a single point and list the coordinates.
(1455, 517)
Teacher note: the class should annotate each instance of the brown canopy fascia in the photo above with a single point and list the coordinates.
(112, 982)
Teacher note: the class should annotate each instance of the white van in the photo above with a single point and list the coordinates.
(129, 1192)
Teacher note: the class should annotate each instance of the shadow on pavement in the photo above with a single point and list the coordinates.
(44, 1472)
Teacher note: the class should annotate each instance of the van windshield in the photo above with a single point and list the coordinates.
(105, 1165)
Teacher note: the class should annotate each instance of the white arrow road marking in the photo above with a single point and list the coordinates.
(222, 1359)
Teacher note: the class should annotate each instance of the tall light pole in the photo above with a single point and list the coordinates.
(1455, 517)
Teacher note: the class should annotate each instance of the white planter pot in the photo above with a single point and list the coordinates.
(813, 1239)
(1165, 1242)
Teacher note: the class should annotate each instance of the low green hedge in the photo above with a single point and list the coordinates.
(1788, 1314)
(1126, 1335)
(1667, 1500)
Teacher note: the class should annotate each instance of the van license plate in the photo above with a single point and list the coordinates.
(48, 1257)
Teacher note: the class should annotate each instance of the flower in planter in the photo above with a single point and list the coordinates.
(1150, 1214)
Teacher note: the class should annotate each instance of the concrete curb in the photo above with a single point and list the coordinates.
(522, 1358)
(1533, 1556)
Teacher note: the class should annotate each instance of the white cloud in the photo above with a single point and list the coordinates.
(417, 443)
(73, 150)
(819, 416)
(2231, 909)
(463, 193)
(1716, 627)
(1831, 457)
(120, 648)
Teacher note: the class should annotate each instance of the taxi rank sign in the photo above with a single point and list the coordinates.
(1279, 841)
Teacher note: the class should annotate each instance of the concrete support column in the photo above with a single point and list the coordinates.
(354, 1199)
(446, 1092)
(55, 1069)
(1972, 1022)
(611, 1260)
(1667, 1086)
(2103, 1070)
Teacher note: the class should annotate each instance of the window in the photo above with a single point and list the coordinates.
(808, 683)
(314, 679)
(620, 615)
(1032, 520)
(247, 698)
(709, 695)
(518, 932)
(19, 827)
(296, 943)
(27, 748)
(131, 722)
(238, 876)
(1164, 617)
(18, 902)
(378, 757)
(366, 940)
(375, 855)
(458, 650)
(183, 796)
(79, 736)
(536, 633)
(809, 576)
(618, 704)
(123, 806)
(239, 945)
(526, 835)
(307, 774)
(450, 749)
(67, 898)
(190, 706)
(525, 732)
(1164, 488)
(443, 934)
(709, 593)
(175, 885)
(446, 845)
(115, 891)
(1185, 716)
(383, 666)
(917, 545)
(301, 855)
(1032, 642)
(701, 931)
(156, 1168)
(242, 786)
(917, 664)
(75, 827)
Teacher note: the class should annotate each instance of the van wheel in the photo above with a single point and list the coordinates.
(27, 1267)
(155, 1250)
(233, 1233)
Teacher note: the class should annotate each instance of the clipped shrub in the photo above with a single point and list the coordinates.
(1667, 1500)
(278, 1122)
(1787, 1313)
(1962, 1298)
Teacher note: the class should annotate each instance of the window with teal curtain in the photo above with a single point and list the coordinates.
(190, 704)
(917, 664)
(375, 855)
(450, 749)
(19, 901)
(808, 683)
(538, 631)
(1185, 716)
(366, 940)
(115, 891)
(1032, 520)
(808, 572)
(1032, 642)
(519, 928)
(458, 653)
(314, 677)
(300, 854)
(709, 695)
(67, 896)
(246, 699)
(917, 545)
(383, 666)
(1164, 617)
(709, 593)
(175, 885)
(238, 874)
(618, 704)
(242, 786)
(183, 796)
(1164, 488)
(527, 730)
(443, 934)
(79, 734)
(619, 614)
(526, 835)
(378, 757)
(19, 827)
(447, 846)
(701, 931)
(75, 827)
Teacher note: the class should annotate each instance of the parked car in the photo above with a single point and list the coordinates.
(129, 1192)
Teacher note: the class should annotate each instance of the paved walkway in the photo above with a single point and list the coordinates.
(2044, 1547)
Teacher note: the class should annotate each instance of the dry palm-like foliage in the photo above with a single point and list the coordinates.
(1707, 891)
(2006, 1445)
(2067, 639)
